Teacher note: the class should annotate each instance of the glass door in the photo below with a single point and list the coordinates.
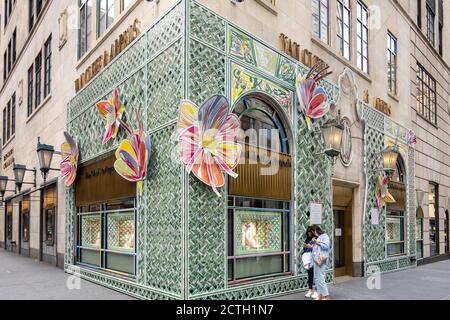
(339, 241)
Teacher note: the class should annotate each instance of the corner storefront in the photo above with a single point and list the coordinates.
(178, 239)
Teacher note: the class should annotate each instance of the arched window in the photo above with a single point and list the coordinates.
(399, 174)
(260, 198)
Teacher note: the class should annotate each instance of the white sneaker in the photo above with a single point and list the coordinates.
(309, 294)
(315, 295)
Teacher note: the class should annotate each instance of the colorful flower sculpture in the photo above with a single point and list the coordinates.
(69, 162)
(111, 110)
(411, 138)
(382, 192)
(133, 156)
(312, 98)
(207, 140)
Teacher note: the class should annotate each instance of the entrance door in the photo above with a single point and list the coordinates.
(343, 253)
(343, 243)
(48, 220)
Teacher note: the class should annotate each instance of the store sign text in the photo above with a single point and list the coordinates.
(99, 171)
(292, 48)
(8, 159)
(120, 44)
(382, 106)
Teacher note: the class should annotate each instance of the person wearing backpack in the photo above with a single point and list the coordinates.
(308, 262)
(320, 255)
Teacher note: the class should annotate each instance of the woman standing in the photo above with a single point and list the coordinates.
(321, 254)
(308, 263)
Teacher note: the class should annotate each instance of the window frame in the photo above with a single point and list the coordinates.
(430, 23)
(320, 20)
(123, 7)
(8, 121)
(426, 95)
(38, 80)
(103, 249)
(345, 7)
(84, 7)
(30, 90)
(31, 15)
(362, 28)
(47, 66)
(261, 206)
(109, 7)
(13, 114)
(392, 63)
(398, 215)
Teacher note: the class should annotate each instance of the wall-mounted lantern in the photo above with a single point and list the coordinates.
(19, 174)
(332, 132)
(390, 156)
(45, 154)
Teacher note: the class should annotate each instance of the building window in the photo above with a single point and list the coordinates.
(320, 19)
(49, 209)
(34, 11)
(8, 121)
(85, 33)
(5, 65)
(362, 41)
(419, 14)
(441, 27)
(30, 14)
(38, 77)
(9, 5)
(433, 214)
(107, 236)
(419, 233)
(105, 15)
(395, 233)
(47, 66)
(30, 91)
(430, 24)
(25, 210)
(39, 4)
(426, 95)
(14, 44)
(259, 213)
(13, 114)
(392, 63)
(10, 56)
(125, 4)
(4, 126)
(9, 220)
(343, 24)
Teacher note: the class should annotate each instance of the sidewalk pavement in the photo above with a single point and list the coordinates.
(427, 282)
(27, 279)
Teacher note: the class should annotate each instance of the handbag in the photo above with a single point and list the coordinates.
(320, 258)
